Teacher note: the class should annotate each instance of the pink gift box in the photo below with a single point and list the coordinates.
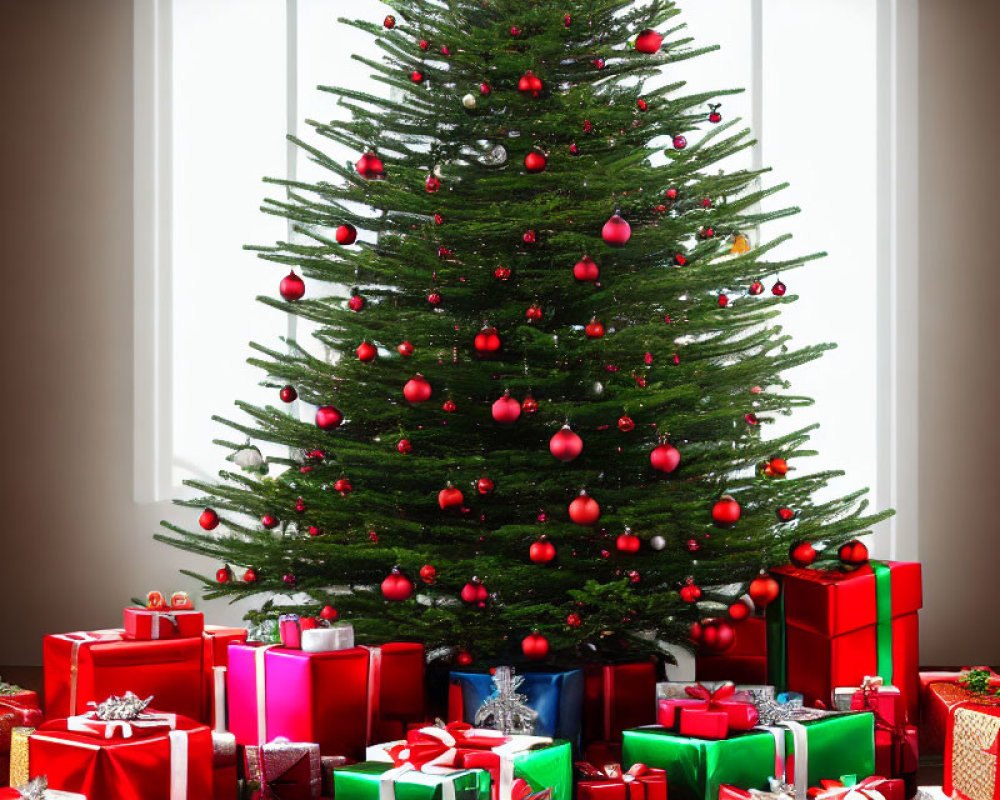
(145, 624)
(303, 697)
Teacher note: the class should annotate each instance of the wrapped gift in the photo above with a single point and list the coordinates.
(939, 692)
(833, 744)
(897, 753)
(12, 693)
(832, 628)
(886, 702)
(709, 713)
(327, 765)
(148, 624)
(38, 790)
(225, 770)
(744, 662)
(86, 667)
(848, 788)
(285, 770)
(639, 782)
(303, 697)
(290, 627)
(378, 780)
(543, 764)
(215, 662)
(327, 639)
(972, 749)
(396, 690)
(16, 715)
(617, 697)
(553, 699)
(129, 755)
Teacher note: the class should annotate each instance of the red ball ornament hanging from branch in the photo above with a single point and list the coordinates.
(223, 575)
(208, 520)
(573, 620)
(584, 510)
(404, 446)
(648, 41)
(366, 352)
(474, 593)
(594, 329)
(428, 574)
(680, 142)
(269, 521)
(506, 409)
(785, 514)
(542, 551)
(328, 418)
(487, 341)
(417, 390)
(448, 406)
(726, 512)
(370, 166)
(739, 611)
(690, 592)
(627, 542)
(713, 114)
(288, 394)
(565, 445)
(292, 287)
(756, 288)
(485, 485)
(763, 590)
(529, 405)
(346, 234)
(434, 298)
(853, 554)
(616, 231)
(389, 22)
(535, 161)
(356, 303)
(432, 184)
(344, 486)
(625, 423)
(533, 312)
(535, 646)
(779, 289)
(396, 587)
(665, 457)
(717, 635)
(530, 84)
(586, 269)
(250, 575)
(450, 497)
(802, 554)
(329, 613)
(405, 349)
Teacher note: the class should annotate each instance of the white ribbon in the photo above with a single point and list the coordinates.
(800, 749)
(408, 774)
(219, 675)
(261, 670)
(178, 765)
(76, 640)
(374, 689)
(90, 723)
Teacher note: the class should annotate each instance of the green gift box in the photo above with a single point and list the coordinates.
(378, 780)
(837, 744)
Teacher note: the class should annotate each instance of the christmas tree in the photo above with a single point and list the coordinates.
(557, 351)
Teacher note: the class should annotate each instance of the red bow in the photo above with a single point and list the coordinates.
(715, 698)
(438, 747)
(520, 789)
(832, 789)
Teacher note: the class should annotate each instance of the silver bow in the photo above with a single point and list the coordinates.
(126, 708)
(34, 789)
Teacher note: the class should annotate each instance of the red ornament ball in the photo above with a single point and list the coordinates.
(680, 259)
(594, 329)
(586, 269)
(506, 409)
(529, 405)
(405, 349)
(756, 288)
(448, 406)
(343, 485)
(785, 514)
(665, 457)
(565, 445)
(269, 521)
(370, 166)
(450, 497)
(714, 116)
(292, 287)
(779, 289)
(763, 590)
(356, 303)
(739, 611)
(428, 574)
(487, 341)
(584, 510)
(250, 575)
(223, 575)
(463, 658)
(690, 593)
(404, 446)
(535, 646)
(680, 142)
(396, 586)
(432, 184)
(288, 394)
(535, 161)
(501, 273)
(573, 620)
(723, 301)
(625, 424)
(474, 592)
(533, 312)
(627, 542)
(802, 554)
(726, 512)
(434, 298)
(692, 545)
(208, 520)
(529, 237)
(616, 231)
(778, 466)
(328, 418)
(416, 76)
(484, 89)
(346, 234)
(329, 613)
(366, 352)
(853, 554)
(424, 44)
(642, 104)
(530, 84)
(648, 41)
(485, 485)
(672, 194)
(417, 389)
(717, 635)
(542, 551)
(389, 21)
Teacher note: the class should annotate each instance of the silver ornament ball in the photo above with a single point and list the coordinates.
(657, 542)
(469, 101)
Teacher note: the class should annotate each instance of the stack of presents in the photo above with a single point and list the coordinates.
(821, 698)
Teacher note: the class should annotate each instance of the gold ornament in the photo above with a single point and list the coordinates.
(741, 245)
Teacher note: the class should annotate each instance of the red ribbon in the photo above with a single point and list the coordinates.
(612, 772)
(713, 699)
(439, 746)
(831, 786)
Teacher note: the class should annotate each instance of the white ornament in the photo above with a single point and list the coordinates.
(248, 458)
(657, 542)
(469, 101)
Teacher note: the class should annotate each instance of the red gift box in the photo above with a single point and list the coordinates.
(972, 750)
(744, 663)
(149, 624)
(939, 691)
(225, 759)
(395, 690)
(303, 697)
(610, 783)
(215, 661)
(832, 628)
(16, 715)
(87, 667)
(125, 761)
(885, 701)
(888, 788)
(617, 697)
(709, 714)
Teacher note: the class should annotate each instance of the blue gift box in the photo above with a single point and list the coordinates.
(555, 695)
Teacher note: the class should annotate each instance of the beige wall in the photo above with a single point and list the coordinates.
(77, 546)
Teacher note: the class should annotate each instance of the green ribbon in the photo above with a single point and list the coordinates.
(777, 662)
(883, 607)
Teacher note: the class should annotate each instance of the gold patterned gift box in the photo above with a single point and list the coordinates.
(971, 752)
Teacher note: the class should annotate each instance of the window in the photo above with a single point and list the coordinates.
(219, 82)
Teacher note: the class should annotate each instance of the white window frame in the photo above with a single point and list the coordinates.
(897, 411)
